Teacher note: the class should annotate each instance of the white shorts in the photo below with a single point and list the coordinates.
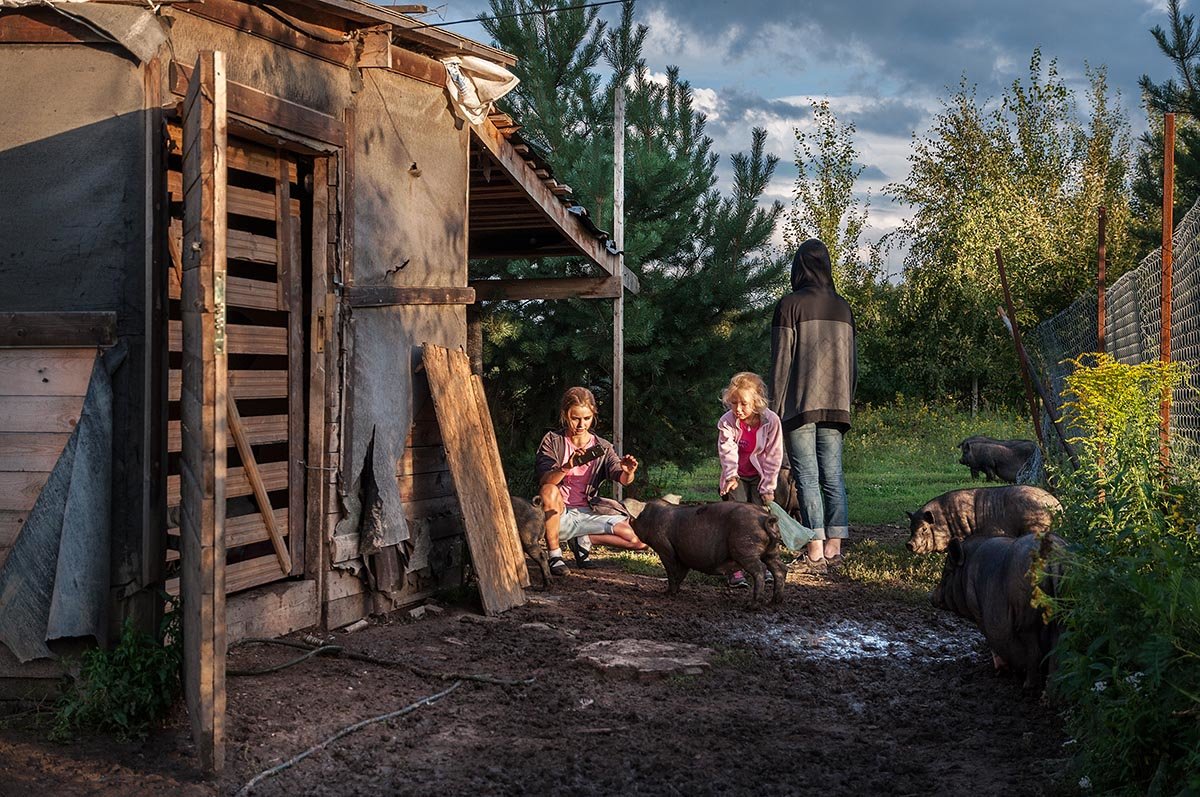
(579, 522)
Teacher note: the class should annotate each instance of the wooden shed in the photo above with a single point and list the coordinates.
(260, 214)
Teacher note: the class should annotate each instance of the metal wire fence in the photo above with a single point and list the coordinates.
(1133, 325)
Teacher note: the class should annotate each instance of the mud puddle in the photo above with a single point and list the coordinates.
(853, 640)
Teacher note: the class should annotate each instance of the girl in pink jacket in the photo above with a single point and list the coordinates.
(749, 446)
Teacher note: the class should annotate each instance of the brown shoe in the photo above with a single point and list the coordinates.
(835, 562)
(806, 565)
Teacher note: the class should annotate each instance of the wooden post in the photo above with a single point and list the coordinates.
(1034, 415)
(1101, 344)
(1168, 234)
(619, 302)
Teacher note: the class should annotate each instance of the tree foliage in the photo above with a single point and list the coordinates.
(708, 274)
(1023, 175)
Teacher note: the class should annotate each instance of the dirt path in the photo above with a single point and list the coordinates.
(840, 691)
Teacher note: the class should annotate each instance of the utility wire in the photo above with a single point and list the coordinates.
(517, 14)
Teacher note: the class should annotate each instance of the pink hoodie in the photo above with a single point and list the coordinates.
(767, 456)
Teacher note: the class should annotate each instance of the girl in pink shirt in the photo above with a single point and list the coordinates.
(749, 446)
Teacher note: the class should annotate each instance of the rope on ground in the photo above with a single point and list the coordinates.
(425, 701)
(337, 650)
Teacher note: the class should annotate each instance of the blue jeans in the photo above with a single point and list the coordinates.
(815, 451)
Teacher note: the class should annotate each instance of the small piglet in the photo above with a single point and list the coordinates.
(715, 539)
(531, 526)
(1007, 511)
(987, 580)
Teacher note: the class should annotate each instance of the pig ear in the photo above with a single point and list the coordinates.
(911, 515)
(955, 551)
(927, 516)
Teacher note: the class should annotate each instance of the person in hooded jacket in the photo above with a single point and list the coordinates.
(812, 381)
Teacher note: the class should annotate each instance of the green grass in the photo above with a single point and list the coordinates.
(899, 456)
(892, 569)
(896, 458)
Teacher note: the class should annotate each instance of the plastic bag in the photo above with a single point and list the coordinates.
(794, 533)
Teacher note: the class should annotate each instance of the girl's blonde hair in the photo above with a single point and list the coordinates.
(577, 397)
(751, 383)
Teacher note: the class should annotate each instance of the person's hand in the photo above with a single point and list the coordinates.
(768, 497)
(629, 465)
(730, 485)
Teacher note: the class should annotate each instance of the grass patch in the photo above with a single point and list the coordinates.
(639, 563)
(896, 458)
(734, 658)
(890, 567)
(899, 456)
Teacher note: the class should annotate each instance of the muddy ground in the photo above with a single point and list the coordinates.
(843, 690)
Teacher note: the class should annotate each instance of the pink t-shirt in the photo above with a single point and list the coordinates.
(747, 437)
(574, 485)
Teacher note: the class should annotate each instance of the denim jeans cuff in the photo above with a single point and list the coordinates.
(839, 532)
(819, 535)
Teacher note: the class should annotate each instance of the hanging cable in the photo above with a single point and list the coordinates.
(517, 14)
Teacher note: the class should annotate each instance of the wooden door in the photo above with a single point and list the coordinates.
(203, 408)
(270, 226)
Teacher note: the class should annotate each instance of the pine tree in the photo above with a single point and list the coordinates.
(708, 275)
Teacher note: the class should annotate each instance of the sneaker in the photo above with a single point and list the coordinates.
(738, 579)
(558, 567)
(806, 565)
(768, 576)
(583, 559)
(835, 562)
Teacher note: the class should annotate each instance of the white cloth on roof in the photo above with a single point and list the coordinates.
(475, 83)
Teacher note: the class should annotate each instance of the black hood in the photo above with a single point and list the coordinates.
(811, 269)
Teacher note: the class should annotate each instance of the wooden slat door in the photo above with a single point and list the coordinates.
(270, 228)
(202, 407)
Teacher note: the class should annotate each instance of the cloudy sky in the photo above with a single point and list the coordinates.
(883, 64)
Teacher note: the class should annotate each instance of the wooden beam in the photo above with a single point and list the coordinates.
(562, 288)
(542, 197)
(250, 103)
(246, 18)
(418, 67)
(58, 329)
(250, 463)
(386, 296)
(43, 26)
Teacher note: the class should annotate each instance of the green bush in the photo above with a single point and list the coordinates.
(125, 689)
(1129, 600)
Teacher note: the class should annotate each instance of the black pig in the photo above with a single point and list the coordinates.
(531, 526)
(986, 579)
(1010, 511)
(997, 460)
(715, 539)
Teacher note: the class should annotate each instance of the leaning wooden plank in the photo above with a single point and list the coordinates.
(489, 455)
(250, 465)
(274, 476)
(482, 499)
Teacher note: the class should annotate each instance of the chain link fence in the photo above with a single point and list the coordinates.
(1133, 326)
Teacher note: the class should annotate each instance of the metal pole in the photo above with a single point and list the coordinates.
(619, 302)
(1026, 377)
(1100, 318)
(1168, 231)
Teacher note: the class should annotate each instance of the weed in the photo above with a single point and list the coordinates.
(734, 658)
(1129, 598)
(125, 689)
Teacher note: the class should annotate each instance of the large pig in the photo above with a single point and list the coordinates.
(987, 580)
(715, 539)
(997, 460)
(531, 526)
(1007, 511)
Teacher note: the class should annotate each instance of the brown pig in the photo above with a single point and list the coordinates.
(987, 580)
(531, 527)
(715, 539)
(1007, 511)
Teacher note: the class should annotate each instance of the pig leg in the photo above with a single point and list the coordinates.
(754, 571)
(538, 554)
(779, 572)
(676, 573)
